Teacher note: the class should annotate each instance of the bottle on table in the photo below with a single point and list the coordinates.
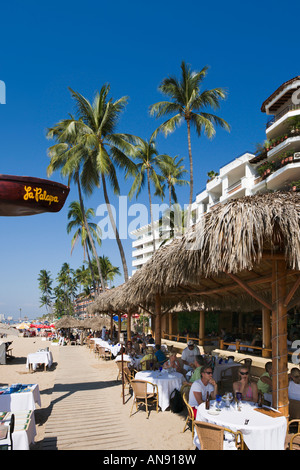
(207, 402)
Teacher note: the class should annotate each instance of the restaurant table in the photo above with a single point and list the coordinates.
(113, 348)
(40, 357)
(261, 433)
(21, 399)
(24, 429)
(134, 361)
(166, 382)
(218, 369)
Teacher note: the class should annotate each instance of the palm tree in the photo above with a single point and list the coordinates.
(45, 285)
(145, 172)
(66, 157)
(189, 104)
(100, 149)
(172, 171)
(78, 220)
(109, 271)
(66, 286)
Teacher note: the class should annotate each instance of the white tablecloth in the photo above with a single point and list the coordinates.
(114, 348)
(23, 434)
(166, 382)
(261, 433)
(220, 367)
(134, 361)
(21, 401)
(42, 357)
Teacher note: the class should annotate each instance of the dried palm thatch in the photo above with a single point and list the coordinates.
(68, 321)
(232, 238)
(97, 323)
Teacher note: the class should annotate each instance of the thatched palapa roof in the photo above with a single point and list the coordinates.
(68, 321)
(229, 244)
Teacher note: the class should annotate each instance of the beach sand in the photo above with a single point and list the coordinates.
(162, 431)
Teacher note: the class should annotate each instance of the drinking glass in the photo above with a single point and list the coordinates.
(218, 400)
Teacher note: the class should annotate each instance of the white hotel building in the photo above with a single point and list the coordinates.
(276, 166)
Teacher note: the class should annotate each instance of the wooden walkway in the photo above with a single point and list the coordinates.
(86, 406)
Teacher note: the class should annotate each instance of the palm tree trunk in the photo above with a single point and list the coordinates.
(170, 198)
(90, 236)
(91, 267)
(191, 173)
(113, 223)
(151, 215)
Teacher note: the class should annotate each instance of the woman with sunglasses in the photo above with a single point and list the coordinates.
(244, 386)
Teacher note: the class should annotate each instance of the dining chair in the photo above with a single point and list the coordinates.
(141, 394)
(211, 436)
(185, 390)
(119, 366)
(6, 442)
(293, 435)
(294, 409)
(247, 361)
(228, 376)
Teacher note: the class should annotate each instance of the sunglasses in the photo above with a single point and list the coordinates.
(209, 373)
(244, 373)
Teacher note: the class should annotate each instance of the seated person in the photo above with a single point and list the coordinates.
(244, 386)
(264, 384)
(188, 355)
(129, 348)
(150, 339)
(198, 364)
(294, 384)
(160, 356)
(201, 387)
(173, 364)
(147, 360)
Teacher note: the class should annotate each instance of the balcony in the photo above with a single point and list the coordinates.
(279, 176)
(290, 107)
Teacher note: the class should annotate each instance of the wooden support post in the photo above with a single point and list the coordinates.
(170, 325)
(157, 319)
(129, 326)
(111, 327)
(119, 326)
(201, 327)
(279, 339)
(266, 331)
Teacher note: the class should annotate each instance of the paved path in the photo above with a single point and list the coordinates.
(83, 415)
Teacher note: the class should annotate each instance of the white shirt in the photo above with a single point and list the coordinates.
(294, 391)
(190, 354)
(198, 386)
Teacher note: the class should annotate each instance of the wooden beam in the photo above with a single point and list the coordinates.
(250, 291)
(146, 310)
(219, 290)
(292, 292)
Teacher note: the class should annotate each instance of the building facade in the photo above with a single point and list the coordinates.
(275, 165)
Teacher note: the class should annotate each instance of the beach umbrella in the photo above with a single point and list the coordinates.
(23, 326)
(8, 330)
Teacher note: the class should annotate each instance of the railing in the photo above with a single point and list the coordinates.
(291, 107)
(187, 338)
(239, 345)
(234, 186)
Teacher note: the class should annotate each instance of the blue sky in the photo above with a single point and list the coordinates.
(46, 47)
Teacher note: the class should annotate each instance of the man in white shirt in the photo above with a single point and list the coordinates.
(201, 387)
(103, 334)
(294, 384)
(189, 354)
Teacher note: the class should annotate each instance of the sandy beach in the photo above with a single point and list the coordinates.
(162, 431)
